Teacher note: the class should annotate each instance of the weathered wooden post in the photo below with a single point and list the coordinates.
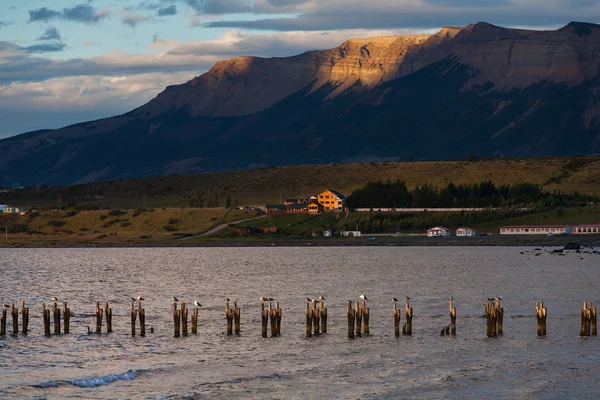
(108, 313)
(46, 318)
(365, 314)
(309, 323)
(351, 315)
(237, 318)
(133, 318)
(273, 318)
(593, 320)
(409, 316)
(264, 316)
(323, 314)
(540, 312)
(3, 323)
(195, 321)
(14, 311)
(499, 316)
(358, 319)
(142, 313)
(25, 318)
(316, 319)
(396, 319)
(66, 318)
(184, 319)
(176, 321)
(452, 319)
(229, 318)
(99, 313)
(56, 318)
(278, 318)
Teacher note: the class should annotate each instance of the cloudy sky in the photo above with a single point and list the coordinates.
(66, 61)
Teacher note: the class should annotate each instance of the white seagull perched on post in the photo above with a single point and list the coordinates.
(395, 300)
(406, 298)
(6, 305)
(196, 304)
(227, 299)
(321, 298)
(174, 299)
(54, 299)
(140, 298)
(263, 299)
(363, 297)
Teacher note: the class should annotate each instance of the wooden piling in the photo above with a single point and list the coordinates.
(499, 318)
(46, 319)
(365, 315)
(108, 313)
(593, 321)
(56, 310)
(133, 317)
(229, 318)
(351, 316)
(358, 319)
(264, 316)
(195, 321)
(278, 318)
(24, 318)
(14, 311)
(323, 315)
(316, 319)
(66, 318)
(99, 313)
(237, 314)
(184, 320)
(176, 321)
(541, 313)
(273, 319)
(396, 319)
(452, 317)
(309, 318)
(409, 317)
(3, 323)
(142, 313)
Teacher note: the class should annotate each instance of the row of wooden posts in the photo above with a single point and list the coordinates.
(316, 319)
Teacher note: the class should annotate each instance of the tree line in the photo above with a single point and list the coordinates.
(484, 194)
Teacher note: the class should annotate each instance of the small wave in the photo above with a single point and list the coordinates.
(44, 385)
(273, 376)
(103, 380)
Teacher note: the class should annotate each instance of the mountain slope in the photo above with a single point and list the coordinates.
(481, 90)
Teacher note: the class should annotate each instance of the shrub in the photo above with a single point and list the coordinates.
(125, 224)
(83, 229)
(137, 212)
(56, 222)
(173, 221)
(103, 217)
(145, 236)
(71, 213)
(116, 213)
(169, 228)
(33, 214)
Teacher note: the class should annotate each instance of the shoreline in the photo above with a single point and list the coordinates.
(490, 241)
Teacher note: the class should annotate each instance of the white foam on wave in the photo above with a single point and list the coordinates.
(103, 380)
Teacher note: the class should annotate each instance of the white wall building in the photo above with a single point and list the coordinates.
(586, 229)
(351, 233)
(438, 231)
(466, 232)
(535, 230)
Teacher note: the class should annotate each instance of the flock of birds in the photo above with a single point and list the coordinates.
(263, 299)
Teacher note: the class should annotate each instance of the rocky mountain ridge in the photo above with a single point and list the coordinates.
(481, 89)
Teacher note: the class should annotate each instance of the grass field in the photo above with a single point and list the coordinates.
(269, 185)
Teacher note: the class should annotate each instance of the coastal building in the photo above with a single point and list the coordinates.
(351, 233)
(466, 232)
(328, 233)
(438, 231)
(12, 209)
(311, 207)
(586, 229)
(536, 230)
(332, 200)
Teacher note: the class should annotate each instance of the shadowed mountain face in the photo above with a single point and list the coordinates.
(480, 90)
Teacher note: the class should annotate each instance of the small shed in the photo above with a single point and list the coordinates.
(466, 232)
(438, 231)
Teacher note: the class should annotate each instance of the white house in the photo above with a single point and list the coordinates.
(536, 230)
(350, 233)
(438, 231)
(12, 209)
(466, 232)
(586, 229)
(328, 233)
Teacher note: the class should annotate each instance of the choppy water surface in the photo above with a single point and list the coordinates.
(212, 365)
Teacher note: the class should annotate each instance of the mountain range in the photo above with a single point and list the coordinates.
(480, 90)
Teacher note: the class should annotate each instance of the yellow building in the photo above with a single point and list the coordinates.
(332, 200)
(315, 208)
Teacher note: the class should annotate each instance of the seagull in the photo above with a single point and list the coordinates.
(227, 299)
(132, 298)
(263, 299)
(6, 305)
(394, 299)
(309, 300)
(498, 298)
(406, 298)
(321, 298)
(54, 299)
(363, 297)
(174, 299)
(490, 299)
(451, 298)
(196, 304)
(140, 298)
